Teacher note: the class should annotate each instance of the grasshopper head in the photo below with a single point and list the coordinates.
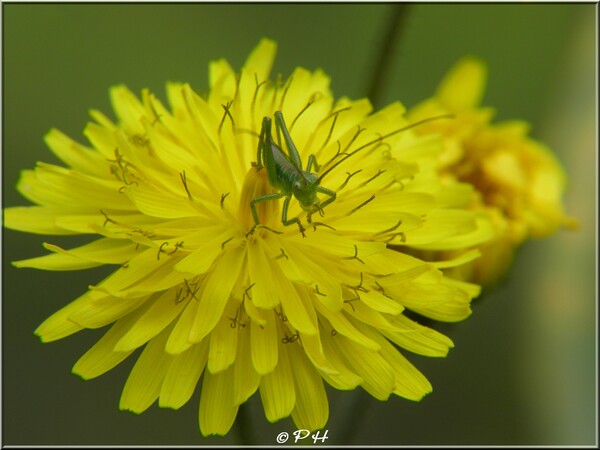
(305, 191)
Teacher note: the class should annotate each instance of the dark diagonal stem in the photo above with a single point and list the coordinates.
(390, 39)
(245, 433)
(358, 410)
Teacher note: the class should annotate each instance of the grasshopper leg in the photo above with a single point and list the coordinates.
(254, 201)
(332, 196)
(312, 161)
(266, 128)
(287, 221)
(262, 198)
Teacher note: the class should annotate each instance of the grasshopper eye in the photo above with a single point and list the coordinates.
(297, 185)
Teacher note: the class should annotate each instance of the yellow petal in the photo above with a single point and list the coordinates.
(102, 356)
(217, 291)
(85, 221)
(417, 338)
(128, 108)
(101, 251)
(379, 302)
(311, 410)
(343, 378)
(178, 341)
(441, 225)
(277, 388)
(105, 309)
(102, 139)
(391, 263)
(463, 86)
(36, 219)
(261, 59)
(221, 79)
(58, 325)
(161, 277)
(57, 185)
(102, 120)
(260, 269)
(58, 261)
(256, 314)
(382, 212)
(155, 202)
(148, 271)
(447, 301)
(135, 270)
(201, 258)
(351, 113)
(343, 326)
(264, 344)
(330, 291)
(217, 406)
(182, 376)
(482, 232)
(301, 89)
(361, 312)
(376, 372)
(246, 378)
(274, 250)
(313, 349)
(143, 385)
(408, 381)
(459, 260)
(300, 314)
(161, 312)
(223, 341)
(79, 157)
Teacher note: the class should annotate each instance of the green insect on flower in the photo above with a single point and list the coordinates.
(284, 171)
(210, 280)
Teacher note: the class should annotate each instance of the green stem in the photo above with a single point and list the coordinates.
(386, 55)
(359, 406)
(243, 421)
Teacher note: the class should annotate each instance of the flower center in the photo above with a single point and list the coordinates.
(256, 186)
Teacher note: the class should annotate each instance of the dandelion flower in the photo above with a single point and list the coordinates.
(518, 180)
(215, 299)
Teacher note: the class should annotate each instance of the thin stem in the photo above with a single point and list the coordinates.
(243, 420)
(358, 410)
(390, 40)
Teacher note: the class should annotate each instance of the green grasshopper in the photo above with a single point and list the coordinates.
(284, 171)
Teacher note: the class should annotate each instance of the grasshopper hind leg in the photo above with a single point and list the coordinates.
(288, 222)
(253, 202)
(284, 220)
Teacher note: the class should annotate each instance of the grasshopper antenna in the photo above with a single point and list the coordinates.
(381, 138)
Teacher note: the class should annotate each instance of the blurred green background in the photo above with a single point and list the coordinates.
(523, 370)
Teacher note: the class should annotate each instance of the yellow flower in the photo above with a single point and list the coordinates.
(518, 180)
(271, 308)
